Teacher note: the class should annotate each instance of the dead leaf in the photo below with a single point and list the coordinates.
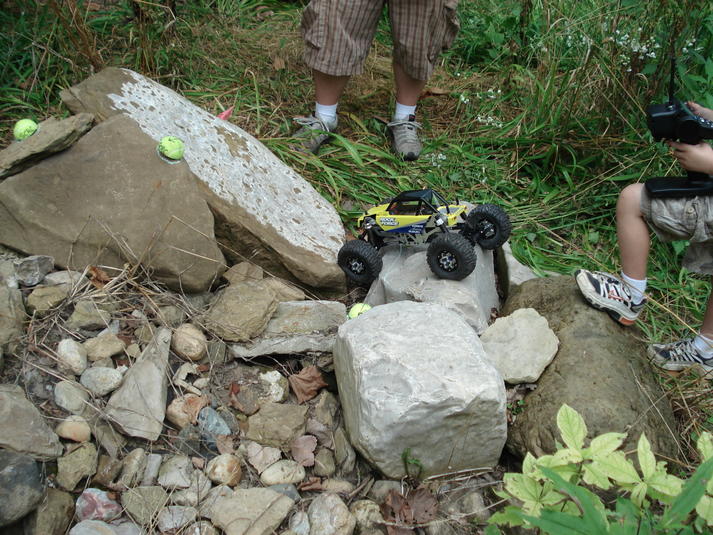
(279, 63)
(312, 483)
(98, 277)
(307, 383)
(224, 444)
(396, 510)
(424, 505)
(302, 450)
(260, 457)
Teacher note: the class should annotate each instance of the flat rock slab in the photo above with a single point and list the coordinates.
(22, 427)
(600, 370)
(53, 135)
(110, 199)
(12, 315)
(139, 405)
(265, 211)
(414, 376)
(407, 277)
(256, 511)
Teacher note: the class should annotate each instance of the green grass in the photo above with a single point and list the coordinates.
(538, 106)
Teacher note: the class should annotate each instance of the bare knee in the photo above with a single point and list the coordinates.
(629, 203)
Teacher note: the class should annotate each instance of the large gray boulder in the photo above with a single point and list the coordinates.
(53, 135)
(110, 199)
(414, 376)
(264, 210)
(407, 277)
(139, 405)
(600, 370)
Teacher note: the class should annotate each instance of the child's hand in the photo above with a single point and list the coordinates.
(693, 157)
(700, 110)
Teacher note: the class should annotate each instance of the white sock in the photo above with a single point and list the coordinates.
(704, 345)
(402, 112)
(636, 288)
(326, 113)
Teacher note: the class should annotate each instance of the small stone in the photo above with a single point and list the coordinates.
(133, 350)
(242, 272)
(21, 486)
(225, 470)
(68, 277)
(176, 472)
(43, 299)
(299, 523)
(195, 493)
(211, 425)
(381, 488)
(260, 457)
(92, 527)
(144, 503)
(72, 356)
(170, 316)
(283, 472)
(70, 396)
(101, 381)
(343, 452)
(153, 465)
(95, 504)
(175, 517)
(132, 468)
(144, 334)
(126, 527)
(214, 495)
(367, 515)
(107, 471)
(254, 510)
(189, 342)
(31, 270)
(52, 516)
(324, 464)
(337, 486)
(103, 363)
(76, 465)
(285, 291)
(88, 316)
(200, 528)
(184, 410)
(277, 424)
(104, 346)
(74, 428)
(328, 514)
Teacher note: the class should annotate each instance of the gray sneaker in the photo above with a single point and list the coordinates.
(404, 138)
(677, 356)
(606, 292)
(314, 132)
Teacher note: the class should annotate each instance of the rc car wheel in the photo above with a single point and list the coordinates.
(359, 261)
(451, 256)
(488, 225)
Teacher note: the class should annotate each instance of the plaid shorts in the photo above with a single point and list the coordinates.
(338, 33)
(684, 219)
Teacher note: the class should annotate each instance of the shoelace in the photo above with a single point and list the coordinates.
(312, 123)
(608, 284)
(685, 351)
(405, 122)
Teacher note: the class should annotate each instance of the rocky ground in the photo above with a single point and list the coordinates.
(123, 411)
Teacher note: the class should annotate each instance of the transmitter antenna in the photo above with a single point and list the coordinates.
(671, 81)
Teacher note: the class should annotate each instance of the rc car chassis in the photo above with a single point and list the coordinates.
(422, 216)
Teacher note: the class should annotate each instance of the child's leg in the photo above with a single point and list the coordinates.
(707, 328)
(632, 232)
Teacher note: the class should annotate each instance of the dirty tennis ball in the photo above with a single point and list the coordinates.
(24, 128)
(171, 147)
(358, 309)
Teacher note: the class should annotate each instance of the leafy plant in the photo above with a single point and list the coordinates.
(555, 493)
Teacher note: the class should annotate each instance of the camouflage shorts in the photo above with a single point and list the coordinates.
(338, 33)
(689, 219)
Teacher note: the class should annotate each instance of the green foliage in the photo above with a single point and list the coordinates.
(555, 493)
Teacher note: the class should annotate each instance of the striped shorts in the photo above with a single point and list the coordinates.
(338, 33)
(686, 218)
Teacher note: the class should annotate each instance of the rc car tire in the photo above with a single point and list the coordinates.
(451, 256)
(360, 262)
(489, 225)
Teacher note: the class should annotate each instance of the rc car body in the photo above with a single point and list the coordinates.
(423, 216)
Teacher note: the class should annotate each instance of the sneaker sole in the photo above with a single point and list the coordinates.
(615, 315)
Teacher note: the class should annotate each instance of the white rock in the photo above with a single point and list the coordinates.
(415, 376)
(70, 396)
(200, 528)
(328, 514)
(407, 277)
(520, 345)
(224, 470)
(74, 428)
(275, 385)
(72, 356)
(189, 342)
(282, 473)
(71, 278)
(101, 381)
(299, 523)
(92, 527)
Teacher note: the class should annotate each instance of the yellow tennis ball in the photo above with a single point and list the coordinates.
(358, 309)
(24, 128)
(171, 147)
